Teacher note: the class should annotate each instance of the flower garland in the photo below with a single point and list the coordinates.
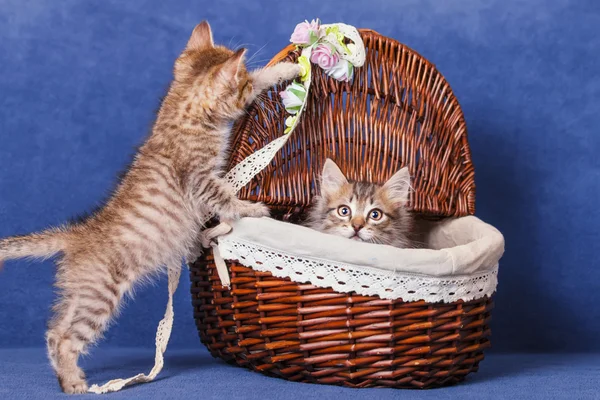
(325, 46)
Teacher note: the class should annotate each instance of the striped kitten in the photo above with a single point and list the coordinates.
(153, 219)
(363, 211)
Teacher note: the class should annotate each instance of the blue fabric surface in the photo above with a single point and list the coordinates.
(24, 374)
(80, 80)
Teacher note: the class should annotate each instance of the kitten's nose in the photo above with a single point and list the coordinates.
(357, 227)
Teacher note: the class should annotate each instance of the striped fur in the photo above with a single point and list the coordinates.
(363, 211)
(153, 219)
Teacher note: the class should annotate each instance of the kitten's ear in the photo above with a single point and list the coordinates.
(201, 37)
(398, 187)
(332, 178)
(231, 68)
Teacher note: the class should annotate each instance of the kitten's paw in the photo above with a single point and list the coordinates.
(243, 208)
(73, 385)
(289, 70)
(281, 72)
(255, 210)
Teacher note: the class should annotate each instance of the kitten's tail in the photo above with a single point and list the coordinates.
(42, 245)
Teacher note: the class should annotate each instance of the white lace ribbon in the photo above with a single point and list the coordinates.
(163, 333)
(208, 241)
(238, 177)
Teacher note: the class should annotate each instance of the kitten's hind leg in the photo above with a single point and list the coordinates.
(82, 314)
(64, 351)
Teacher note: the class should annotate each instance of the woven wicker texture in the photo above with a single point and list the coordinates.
(397, 111)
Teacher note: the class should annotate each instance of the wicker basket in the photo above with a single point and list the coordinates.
(397, 111)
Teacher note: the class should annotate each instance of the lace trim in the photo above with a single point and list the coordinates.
(362, 280)
(163, 333)
(240, 175)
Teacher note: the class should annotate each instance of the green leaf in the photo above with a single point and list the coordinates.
(298, 93)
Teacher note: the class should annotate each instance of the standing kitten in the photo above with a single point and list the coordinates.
(363, 211)
(153, 219)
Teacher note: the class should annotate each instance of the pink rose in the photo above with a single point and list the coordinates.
(324, 56)
(302, 32)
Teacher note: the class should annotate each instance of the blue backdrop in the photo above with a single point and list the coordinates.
(80, 81)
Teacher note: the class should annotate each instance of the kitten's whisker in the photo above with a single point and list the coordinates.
(230, 40)
(257, 51)
(242, 45)
(268, 104)
(261, 60)
(416, 244)
(387, 241)
(257, 64)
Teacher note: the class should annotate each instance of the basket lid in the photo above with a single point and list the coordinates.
(397, 111)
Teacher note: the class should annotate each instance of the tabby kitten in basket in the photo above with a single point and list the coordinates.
(154, 218)
(363, 211)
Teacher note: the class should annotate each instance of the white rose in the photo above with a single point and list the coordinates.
(342, 71)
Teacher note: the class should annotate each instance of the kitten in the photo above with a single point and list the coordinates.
(153, 219)
(363, 211)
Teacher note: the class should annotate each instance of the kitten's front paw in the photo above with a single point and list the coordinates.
(285, 71)
(243, 208)
(255, 210)
(290, 70)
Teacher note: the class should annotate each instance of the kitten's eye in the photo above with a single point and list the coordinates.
(376, 214)
(343, 211)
